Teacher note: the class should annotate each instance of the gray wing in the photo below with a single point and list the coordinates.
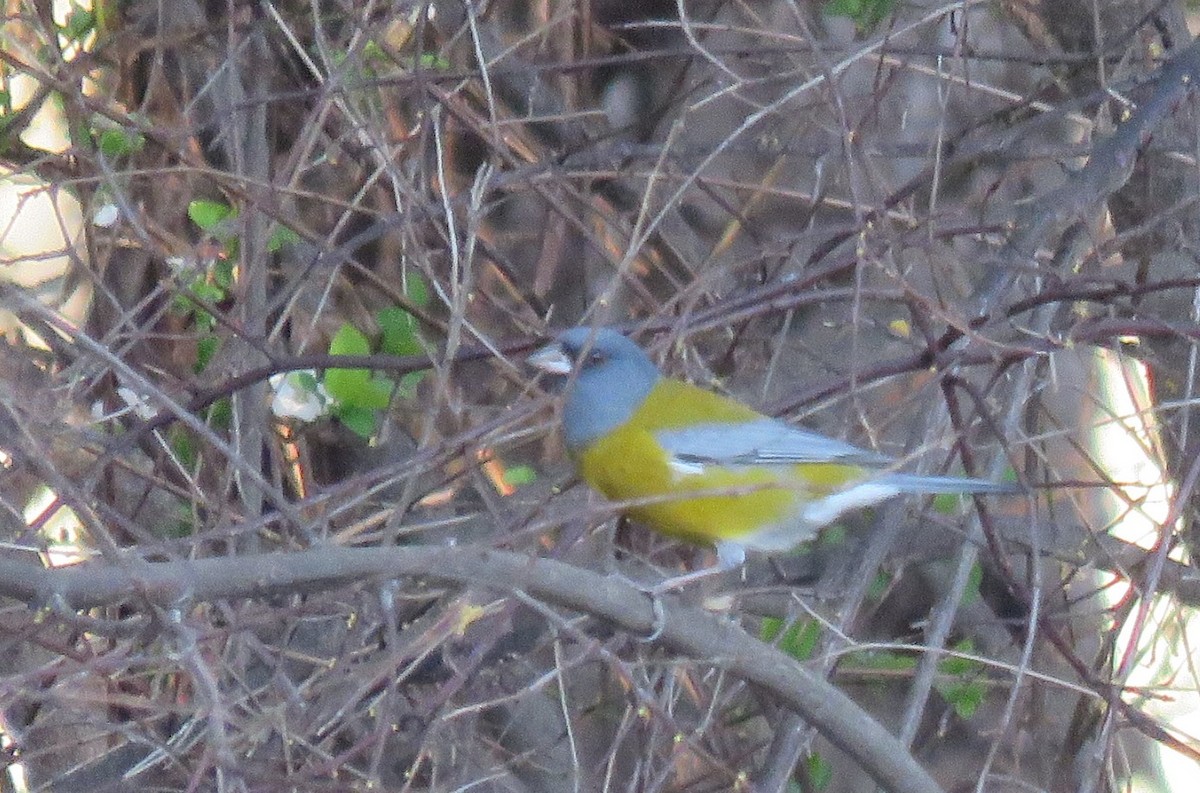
(760, 442)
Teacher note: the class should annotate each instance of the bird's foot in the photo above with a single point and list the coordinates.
(677, 582)
(667, 586)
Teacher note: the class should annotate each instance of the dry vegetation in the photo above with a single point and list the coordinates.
(957, 233)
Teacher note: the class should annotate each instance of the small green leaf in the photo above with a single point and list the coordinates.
(832, 535)
(208, 292)
(407, 388)
(971, 594)
(966, 689)
(373, 52)
(416, 289)
(883, 660)
(431, 60)
(349, 340)
(820, 771)
(800, 641)
(79, 23)
(184, 447)
(280, 237)
(964, 696)
(879, 586)
(184, 525)
(206, 348)
(865, 14)
(519, 475)
(955, 665)
(118, 143)
(222, 275)
(207, 214)
(220, 414)
(947, 503)
(204, 321)
(358, 420)
(399, 332)
(355, 387)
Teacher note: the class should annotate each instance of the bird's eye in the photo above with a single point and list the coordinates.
(594, 357)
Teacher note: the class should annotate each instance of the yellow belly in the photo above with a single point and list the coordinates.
(703, 504)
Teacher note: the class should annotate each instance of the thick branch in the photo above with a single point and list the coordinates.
(693, 632)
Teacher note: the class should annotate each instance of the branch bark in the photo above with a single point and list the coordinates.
(693, 632)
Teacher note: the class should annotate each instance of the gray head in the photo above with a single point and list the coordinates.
(610, 378)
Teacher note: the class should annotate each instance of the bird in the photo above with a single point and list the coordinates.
(705, 468)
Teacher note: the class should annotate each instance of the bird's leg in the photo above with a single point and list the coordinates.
(677, 582)
(730, 555)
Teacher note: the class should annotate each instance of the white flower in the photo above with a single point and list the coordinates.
(299, 395)
(136, 402)
(106, 215)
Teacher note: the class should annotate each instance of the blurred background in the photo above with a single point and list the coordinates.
(964, 234)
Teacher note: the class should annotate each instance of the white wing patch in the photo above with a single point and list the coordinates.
(826, 510)
(811, 517)
(681, 469)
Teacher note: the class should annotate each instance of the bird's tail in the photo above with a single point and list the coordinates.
(912, 483)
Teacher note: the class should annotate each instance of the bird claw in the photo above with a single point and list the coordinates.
(667, 586)
(660, 620)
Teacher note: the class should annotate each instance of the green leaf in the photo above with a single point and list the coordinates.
(407, 388)
(206, 348)
(519, 475)
(115, 143)
(204, 321)
(879, 586)
(866, 14)
(964, 696)
(202, 289)
(399, 332)
(832, 535)
(966, 689)
(220, 414)
(416, 289)
(222, 275)
(883, 660)
(184, 447)
(971, 594)
(954, 665)
(800, 641)
(280, 237)
(349, 340)
(184, 525)
(355, 387)
(431, 60)
(842, 8)
(947, 503)
(820, 771)
(359, 420)
(79, 23)
(207, 214)
(373, 52)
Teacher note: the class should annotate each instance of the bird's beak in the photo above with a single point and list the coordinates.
(552, 359)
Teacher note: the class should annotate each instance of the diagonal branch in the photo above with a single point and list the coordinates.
(691, 631)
